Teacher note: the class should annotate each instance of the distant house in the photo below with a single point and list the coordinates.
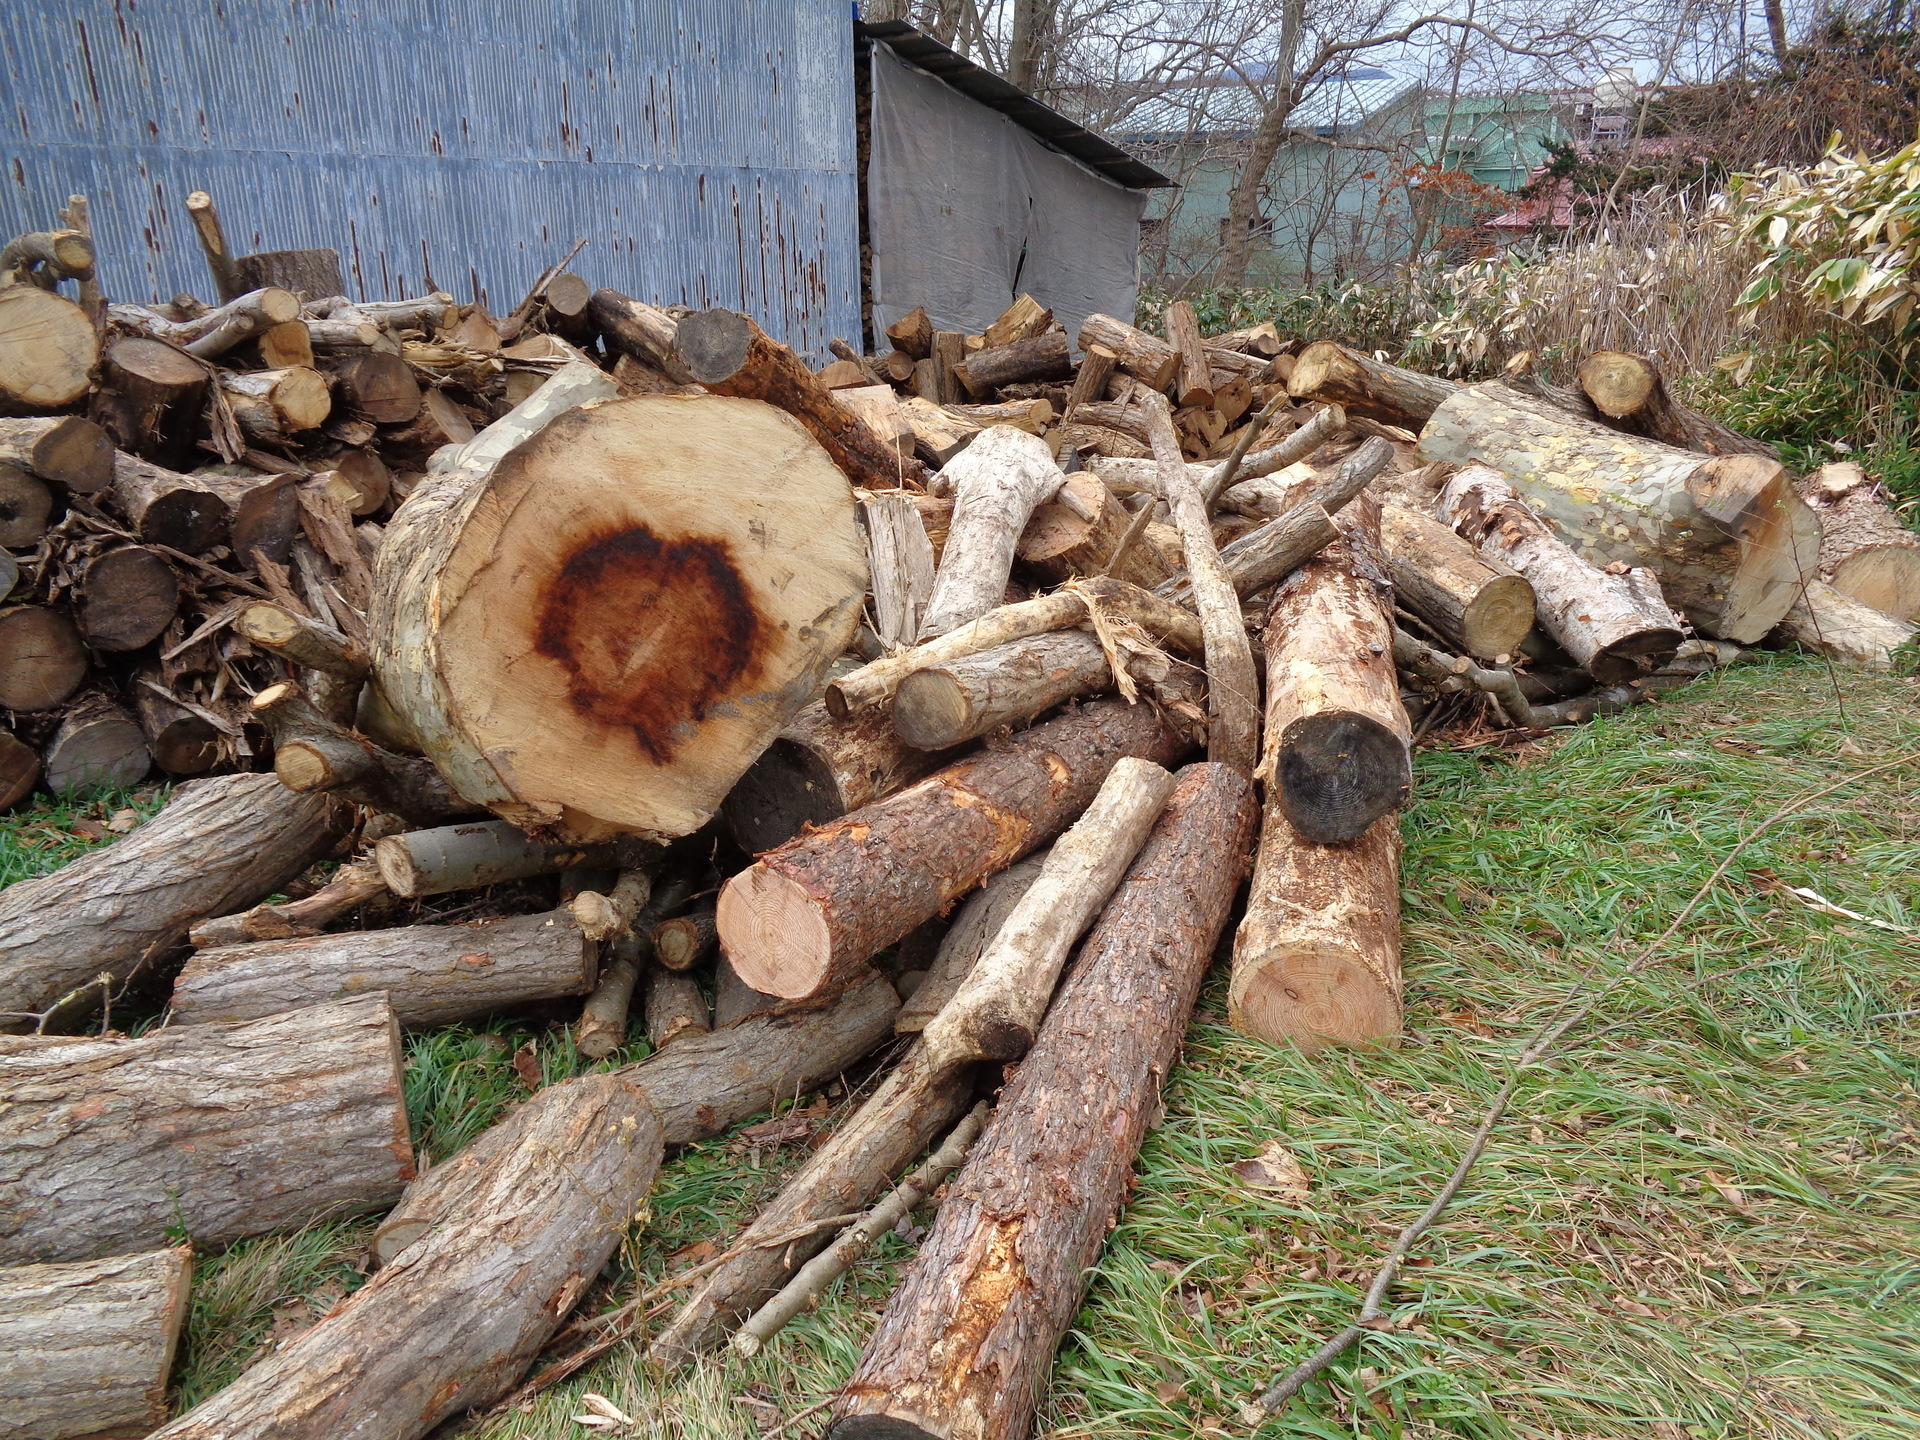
(1374, 161)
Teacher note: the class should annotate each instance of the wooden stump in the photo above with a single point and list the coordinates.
(150, 399)
(86, 1346)
(48, 348)
(964, 1347)
(1478, 605)
(805, 918)
(1335, 375)
(42, 658)
(502, 627)
(219, 846)
(432, 974)
(220, 1130)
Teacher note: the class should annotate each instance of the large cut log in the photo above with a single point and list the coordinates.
(1138, 353)
(465, 856)
(966, 1342)
(1728, 538)
(1477, 604)
(48, 348)
(42, 657)
(730, 355)
(221, 1131)
(805, 918)
(505, 597)
(128, 597)
(1629, 395)
(510, 1254)
(181, 512)
(86, 1346)
(1616, 625)
(219, 846)
(996, 482)
(1336, 755)
(97, 747)
(150, 397)
(1839, 627)
(1865, 552)
(432, 974)
(1335, 375)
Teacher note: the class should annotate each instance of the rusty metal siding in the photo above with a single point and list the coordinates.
(705, 148)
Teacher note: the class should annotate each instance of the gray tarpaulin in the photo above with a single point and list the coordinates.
(965, 210)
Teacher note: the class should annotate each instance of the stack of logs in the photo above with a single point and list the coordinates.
(929, 644)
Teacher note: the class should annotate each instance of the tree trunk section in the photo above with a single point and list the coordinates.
(504, 597)
(1836, 625)
(97, 747)
(64, 449)
(19, 770)
(378, 387)
(1728, 538)
(804, 919)
(219, 846)
(310, 274)
(86, 1346)
(48, 348)
(1337, 737)
(432, 974)
(635, 328)
(940, 706)
(1629, 395)
(997, 483)
(1865, 552)
(263, 514)
(26, 506)
(1334, 375)
(1147, 357)
(684, 941)
(1059, 544)
(277, 405)
(352, 885)
(1044, 357)
(182, 743)
(1193, 380)
(163, 508)
(42, 658)
(466, 856)
(511, 1254)
(965, 1344)
(221, 1130)
(150, 398)
(1480, 606)
(128, 598)
(1617, 626)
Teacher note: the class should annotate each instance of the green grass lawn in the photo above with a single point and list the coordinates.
(1704, 1222)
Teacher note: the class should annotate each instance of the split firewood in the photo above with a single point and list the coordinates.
(948, 353)
(676, 1006)
(1043, 357)
(351, 886)
(1151, 359)
(974, 928)
(1090, 379)
(1475, 602)
(221, 1131)
(19, 769)
(804, 919)
(218, 330)
(183, 742)
(73, 453)
(1629, 395)
(900, 566)
(966, 1341)
(997, 482)
(1335, 375)
(43, 660)
(603, 1019)
(494, 625)
(1865, 552)
(181, 512)
(97, 747)
(874, 683)
(150, 398)
(128, 597)
(277, 405)
(818, 769)
(314, 755)
(1728, 538)
(48, 349)
(1025, 318)
(1614, 622)
(466, 856)
(1233, 689)
(1059, 543)
(218, 846)
(431, 974)
(1193, 380)
(1337, 744)
(383, 1362)
(86, 1347)
(1829, 622)
(684, 941)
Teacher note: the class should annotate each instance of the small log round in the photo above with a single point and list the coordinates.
(65, 449)
(42, 658)
(276, 405)
(1478, 605)
(150, 399)
(97, 747)
(164, 508)
(128, 598)
(48, 348)
(26, 507)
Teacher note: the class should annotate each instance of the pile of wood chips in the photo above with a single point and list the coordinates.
(816, 708)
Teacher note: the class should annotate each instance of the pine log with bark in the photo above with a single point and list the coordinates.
(86, 1346)
(997, 482)
(97, 747)
(1146, 356)
(219, 845)
(804, 919)
(223, 1131)
(1865, 552)
(432, 974)
(503, 596)
(965, 1344)
(1727, 537)
(73, 453)
(1628, 394)
(150, 398)
(48, 349)
(1617, 626)
(1335, 375)
(511, 1253)
(42, 658)
(1478, 604)
(181, 512)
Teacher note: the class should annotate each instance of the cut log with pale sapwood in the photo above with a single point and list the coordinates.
(685, 940)
(1830, 623)
(219, 1131)
(804, 919)
(1475, 602)
(1334, 375)
(965, 1343)
(997, 482)
(1059, 543)
(1146, 356)
(1614, 622)
(432, 974)
(503, 597)
(1043, 357)
(1628, 394)
(48, 349)
(1728, 538)
(218, 846)
(277, 405)
(86, 1346)
(1865, 552)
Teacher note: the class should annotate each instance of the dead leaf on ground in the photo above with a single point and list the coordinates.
(1171, 1392)
(785, 1131)
(88, 829)
(526, 1064)
(697, 1253)
(1728, 1191)
(1628, 1306)
(121, 821)
(1275, 1169)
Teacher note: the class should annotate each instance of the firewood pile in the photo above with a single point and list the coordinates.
(786, 714)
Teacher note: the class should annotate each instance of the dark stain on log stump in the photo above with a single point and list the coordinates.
(652, 633)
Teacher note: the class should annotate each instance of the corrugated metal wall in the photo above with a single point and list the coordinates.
(705, 148)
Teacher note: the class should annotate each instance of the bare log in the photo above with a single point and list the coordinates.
(150, 398)
(1629, 395)
(1478, 604)
(1831, 623)
(1335, 375)
(1059, 544)
(997, 482)
(1138, 353)
(71, 452)
(42, 658)
(461, 857)
(97, 747)
(974, 928)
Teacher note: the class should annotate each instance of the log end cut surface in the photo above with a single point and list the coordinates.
(1339, 772)
(1497, 619)
(775, 933)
